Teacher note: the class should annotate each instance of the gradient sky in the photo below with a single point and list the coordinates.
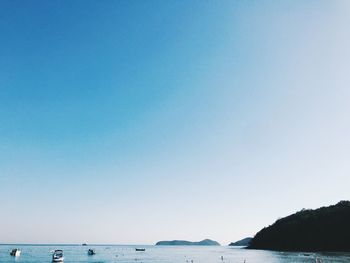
(138, 121)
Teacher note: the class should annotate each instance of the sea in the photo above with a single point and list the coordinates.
(163, 254)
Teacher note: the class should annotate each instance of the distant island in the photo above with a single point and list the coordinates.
(323, 229)
(205, 242)
(242, 243)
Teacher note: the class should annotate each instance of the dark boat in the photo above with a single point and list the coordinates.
(140, 249)
(84, 244)
(91, 252)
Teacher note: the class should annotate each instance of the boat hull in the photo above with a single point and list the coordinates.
(15, 253)
(57, 259)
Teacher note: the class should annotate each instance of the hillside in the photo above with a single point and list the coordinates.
(243, 242)
(323, 229)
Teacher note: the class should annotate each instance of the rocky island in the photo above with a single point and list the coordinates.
(205, 242)
(242, 243)
(323, 229)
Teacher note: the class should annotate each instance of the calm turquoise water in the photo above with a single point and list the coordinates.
(164, 254)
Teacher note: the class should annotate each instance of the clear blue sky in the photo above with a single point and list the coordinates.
(138, 121)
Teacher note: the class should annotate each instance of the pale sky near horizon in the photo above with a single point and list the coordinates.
(130, 122)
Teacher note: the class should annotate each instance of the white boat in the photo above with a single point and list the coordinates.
(57, 256)
(15, 252)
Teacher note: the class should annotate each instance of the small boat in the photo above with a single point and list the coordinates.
(57, 256)
(15, 252)
(84, 244)
(91, 252)
(140, 249)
